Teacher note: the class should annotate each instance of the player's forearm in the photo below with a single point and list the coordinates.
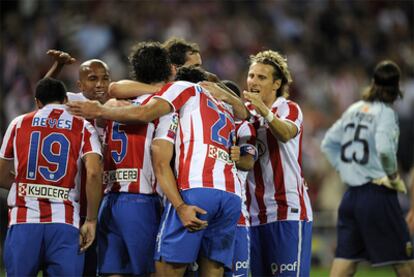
(93, 193)
(54, 71)
(129, 114)
(168, 184)
(93, 165)
(129, 88)
(6, 176)
(282, 130)
(240, 110)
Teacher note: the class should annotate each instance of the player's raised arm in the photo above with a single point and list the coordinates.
(60, 59)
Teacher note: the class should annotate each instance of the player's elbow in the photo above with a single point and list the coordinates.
(113, 89)
(384, 149)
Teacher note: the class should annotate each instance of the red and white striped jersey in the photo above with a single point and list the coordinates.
(128, 166)
(204, 138)
(47, 147)
(276, 185)
(101, 133)
(246, 140)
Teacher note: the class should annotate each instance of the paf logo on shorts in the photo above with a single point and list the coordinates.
(283, 267)
(241, 265)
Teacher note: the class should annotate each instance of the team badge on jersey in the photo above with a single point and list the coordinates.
(172, 130)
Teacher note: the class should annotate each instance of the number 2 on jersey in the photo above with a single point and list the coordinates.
(59, 159)
(218, 126)
(357, 139)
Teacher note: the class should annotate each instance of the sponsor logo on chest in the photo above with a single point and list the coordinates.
(43, 191)
(121, 175)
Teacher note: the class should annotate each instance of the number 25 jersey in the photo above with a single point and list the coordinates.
(355, 142)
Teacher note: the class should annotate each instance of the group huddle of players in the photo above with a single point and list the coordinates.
(198, 177)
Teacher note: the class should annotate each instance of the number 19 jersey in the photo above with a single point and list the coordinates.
(47, 147)
(203, 142)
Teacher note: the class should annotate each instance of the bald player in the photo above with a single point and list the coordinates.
(94, 78)
(93, 82)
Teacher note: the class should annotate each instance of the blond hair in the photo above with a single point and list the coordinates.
(280, 69)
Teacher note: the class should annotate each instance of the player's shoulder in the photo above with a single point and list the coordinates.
(73, 96)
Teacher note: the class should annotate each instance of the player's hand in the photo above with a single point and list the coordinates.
(188, 216)
(410, 220)
(87, 109)
(256, 101)
(87, 234)
(396, 184)
(216, 91)
(61, 57)
(235, 153)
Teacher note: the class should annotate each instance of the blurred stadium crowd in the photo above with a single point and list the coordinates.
(330, 46)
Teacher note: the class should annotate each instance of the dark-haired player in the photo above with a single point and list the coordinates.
(47, 148)
(362, 147)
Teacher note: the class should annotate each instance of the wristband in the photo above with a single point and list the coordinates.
(270, 116)
(91, 219)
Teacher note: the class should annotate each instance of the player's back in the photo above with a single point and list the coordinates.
(363, 130)
(48, 145)
(128, 165)
(205, 136)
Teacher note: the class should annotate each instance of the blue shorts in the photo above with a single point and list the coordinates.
(127, 229)
(241, 258)
(52, 247)
(371, 226)
(216, 242)
(281, 248)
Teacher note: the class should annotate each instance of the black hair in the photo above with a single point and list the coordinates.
(49, 90)
(177, 49)
(192, 74)
(233, 86)
(150, 63)
(385, 85)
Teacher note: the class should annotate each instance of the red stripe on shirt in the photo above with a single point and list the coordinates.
(45, 209)
(293, 111)
(68, 212)
(182, 98)
(278, 177)
(259, 193)
(21, 207)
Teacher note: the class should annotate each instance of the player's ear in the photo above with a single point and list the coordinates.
(79, 85)
(65, 100)
(38, 103)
